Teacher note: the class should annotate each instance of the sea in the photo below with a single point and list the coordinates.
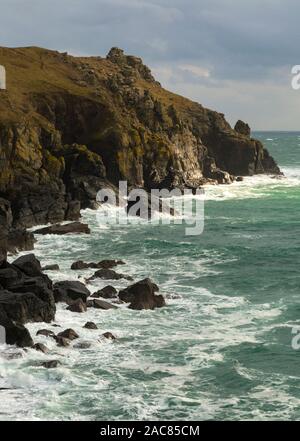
(226, 346)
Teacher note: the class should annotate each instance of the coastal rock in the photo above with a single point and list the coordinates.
(70, 334)
(242, 128)
(90, 325)
(105, 264)
(29, 265)
(109, 336)
(101, 304)
(53, 267)
(69, 291)
(25, 307)
(141, 295)
(46, 333)
(78, 306)
(108, 292)
(16, 334)
(72, 228)
(40, 348)
(108, 274)
(62, 341)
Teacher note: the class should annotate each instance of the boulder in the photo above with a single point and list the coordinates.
(53, 267)
(25, 307)
(40, 347)
(46, 333)
(109, 336)
(62, 341)
(29, 265)
(69, 291)
(70, 334)
(105, 264)
(77, 306)
(108, 292)
(141, 295)
(109, 274)
(90, 325)
(101, 304)
(15, 333)
(59, 229)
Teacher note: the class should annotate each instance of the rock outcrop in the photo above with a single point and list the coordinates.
(71, 125)
(142, 295)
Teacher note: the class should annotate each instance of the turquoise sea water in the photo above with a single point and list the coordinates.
(222, 349)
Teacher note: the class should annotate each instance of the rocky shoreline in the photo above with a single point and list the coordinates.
(27, 295)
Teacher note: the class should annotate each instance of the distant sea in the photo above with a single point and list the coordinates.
(220, 350)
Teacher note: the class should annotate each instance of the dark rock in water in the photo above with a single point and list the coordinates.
(25, 307)
(239, 179)
(40, 347)
(50, 364)
(53, 267)
(72, 228)
(108, 274)
(46, 333)
(101, 304)
(106, 264)
(90, 304)
(108, 292)
(90, 325)
(29, 265)
(77, 306)
(109, 336)
(62, 341)
(15, 334)
(242, 128)
(69, 291)
(70, 334)
(141, 295)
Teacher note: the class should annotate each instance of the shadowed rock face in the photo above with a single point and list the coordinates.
(69, 126)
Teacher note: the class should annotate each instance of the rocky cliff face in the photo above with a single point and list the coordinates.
(70, 125)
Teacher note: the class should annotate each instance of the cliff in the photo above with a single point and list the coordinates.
(69, 125)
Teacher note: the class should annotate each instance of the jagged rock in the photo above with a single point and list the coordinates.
(90, 325)
(15, 334)
(141, 295)
(29, 265)
(108, 274)
(62, 341)
(52, 364)
(53, 267)
(77, 306)
(108, 292)
(72, 228)
(109, 336)
(70, 334)
(25, 307)
(69, 291)
(46, 333)
(105, 264)
(41, 348)
(242, 128)
(101, 304)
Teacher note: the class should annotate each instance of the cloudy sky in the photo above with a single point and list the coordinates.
(234, 56)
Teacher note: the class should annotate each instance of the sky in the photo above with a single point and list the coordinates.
(234, 56)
